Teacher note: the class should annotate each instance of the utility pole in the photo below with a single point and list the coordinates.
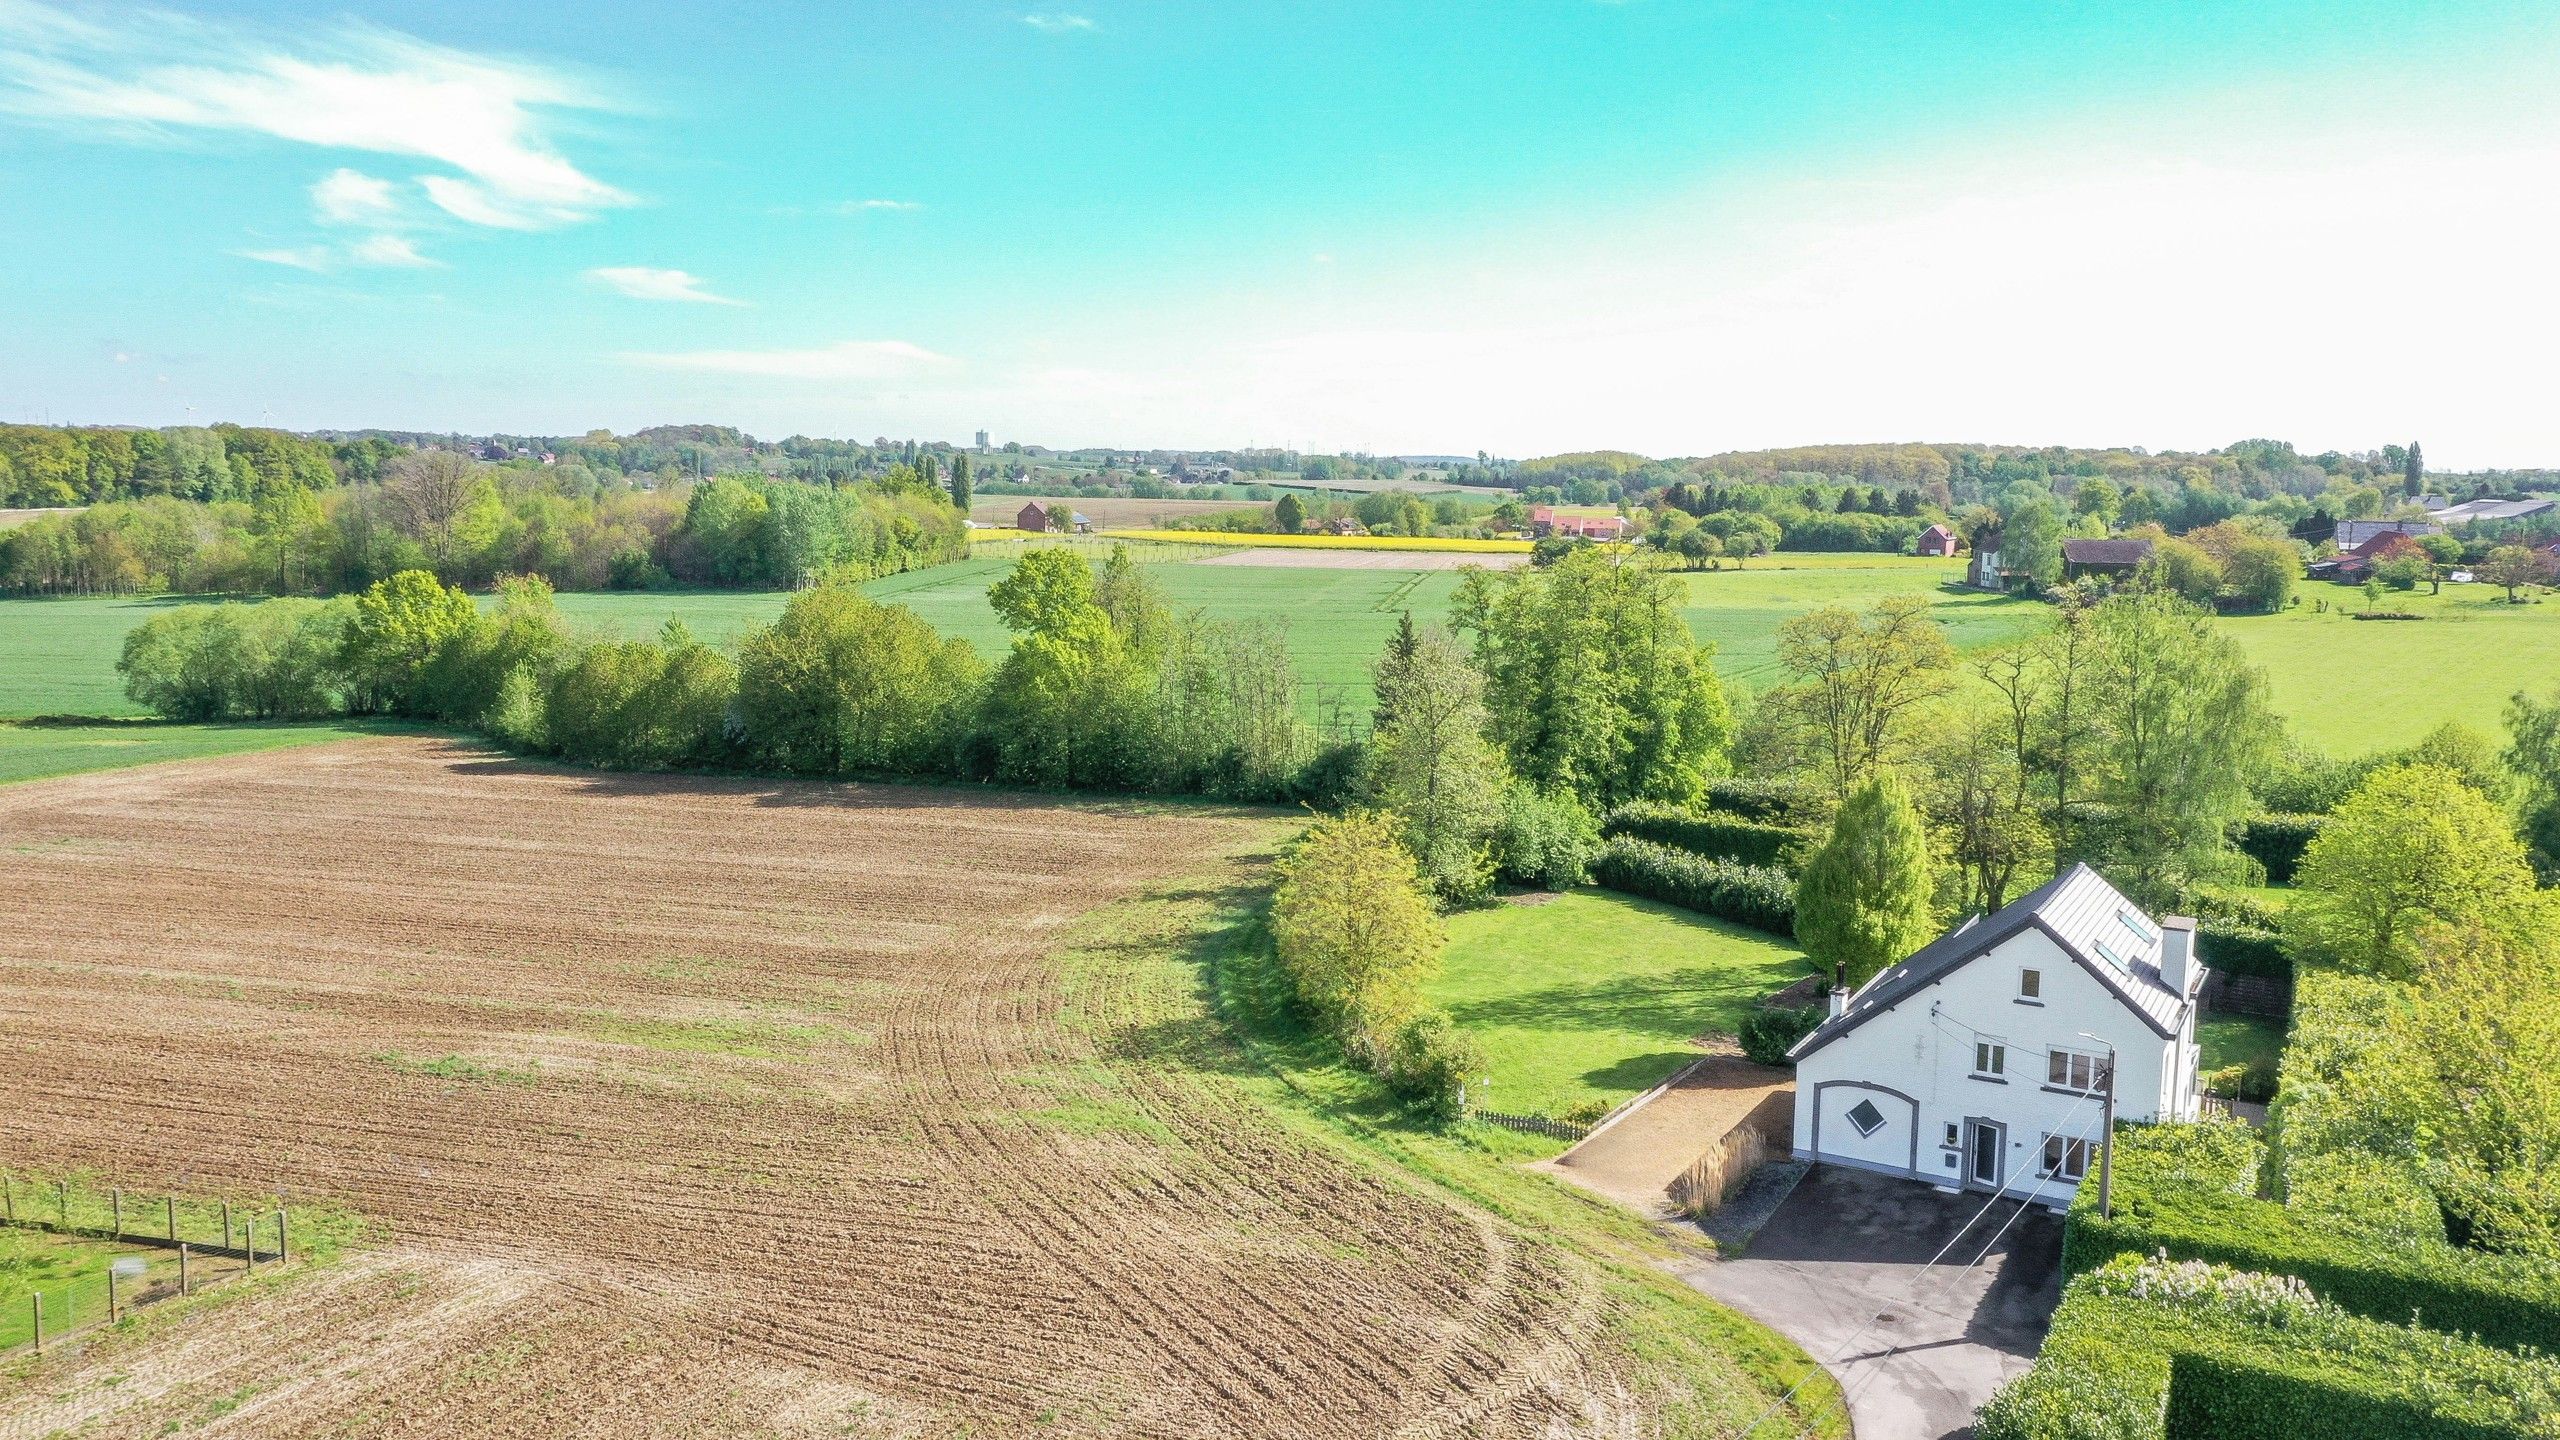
(2106, 1131)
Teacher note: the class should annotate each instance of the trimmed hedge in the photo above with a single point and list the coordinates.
(1767, 1035)
(2191, 1190)
(1753, 895)
(2242, 950)
(1718, 837)
(2148, 1350)
(1775, 802)
(2221, 902)
(2276, 841)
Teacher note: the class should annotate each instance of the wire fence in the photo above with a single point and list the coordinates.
(76, 1254)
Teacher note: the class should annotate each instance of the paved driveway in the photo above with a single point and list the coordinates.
(1848, 1246)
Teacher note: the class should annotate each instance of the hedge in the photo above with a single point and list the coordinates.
(2242, 950)
(1767, 1035)
(1753, 895)
(1777, 802)
(1718, 837)
(2221, 902)
(2190, 1190)
(2277, 841)
(2148, 1350)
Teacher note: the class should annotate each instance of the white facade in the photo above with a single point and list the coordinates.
(1979, 1061)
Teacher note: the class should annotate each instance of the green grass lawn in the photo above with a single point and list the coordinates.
(2354, 686)
(33, 752)
(1593, 997)
(2248, 1040)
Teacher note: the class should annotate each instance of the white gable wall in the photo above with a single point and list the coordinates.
(1916, 1063)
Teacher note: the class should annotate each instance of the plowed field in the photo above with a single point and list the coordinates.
(696, 1107)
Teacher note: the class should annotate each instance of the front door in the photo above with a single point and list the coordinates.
(1982, 1154)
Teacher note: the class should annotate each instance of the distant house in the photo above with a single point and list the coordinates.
(1985, 571)
(1031, 517)
(1343, 526)
(2470, 510)
(1937, 540)
(1077, 522)
(1984, 1059)
(2103, 559)
(2352, 533)
(2353, 565)
(1546, 520)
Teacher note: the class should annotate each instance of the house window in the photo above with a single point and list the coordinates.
(1952, 1132)
(2030, 984)
(2072, 1070)
(2065, 1158)
(1990, 1057)
(2138, 926)
(1866, 1117)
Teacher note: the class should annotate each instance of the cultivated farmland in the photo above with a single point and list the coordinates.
(728, 1107)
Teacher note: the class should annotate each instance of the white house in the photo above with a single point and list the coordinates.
(1981, 1061)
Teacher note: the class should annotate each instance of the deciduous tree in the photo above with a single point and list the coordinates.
(1863, 900)
(2413, 844)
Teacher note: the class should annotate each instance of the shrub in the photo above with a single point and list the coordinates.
(1776, 802)
(273, 661)
(632, 569)
(1753, 895)
(641, 704)
(1335, 777)
(2276, 842)
(1718, 837)
(1768, 1034)
(1430, 1062)
(2144, 1350)
(2221, 902)
(1544, 840)
(2190, 1191)
(2242, 950)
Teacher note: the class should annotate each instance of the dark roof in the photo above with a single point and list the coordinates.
(2105, 552)
(1938, 530)
(2078, 909)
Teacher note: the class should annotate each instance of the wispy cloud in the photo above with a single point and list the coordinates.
(850, 207)
(1058, 22)
(146, 75)
(642, 282)
(850, 360)
(349, 197)
(374, 252)
(391, 250)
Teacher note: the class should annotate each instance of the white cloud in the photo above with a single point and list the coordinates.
(151, 73)
(851, 207)
(318, 259)
(641, 282)
(350, 197)
(849, 360)
(1058, 22)
(391, 250)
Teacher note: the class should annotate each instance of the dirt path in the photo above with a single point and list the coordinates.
(713, 1107)
(1635, 1158)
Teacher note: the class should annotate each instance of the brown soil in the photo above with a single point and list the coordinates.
(1636, 1158)
(1105, 511)
(1282, 557)
(786, 1121)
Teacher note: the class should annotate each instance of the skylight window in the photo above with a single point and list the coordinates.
(2108, 953)
(2139, 926)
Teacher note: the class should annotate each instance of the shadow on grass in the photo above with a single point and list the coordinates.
(1673, 1006)
(1639, 1073)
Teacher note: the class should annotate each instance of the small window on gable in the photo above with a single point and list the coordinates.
(1990, 1057)
(1866, 1117)
(2030, 984)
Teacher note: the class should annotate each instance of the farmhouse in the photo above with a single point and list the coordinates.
(2352, 565)
(1033, 517)
(1545, 520)
(2108, 559)
(1982, 1060)
(1937, 540)
(1984, 571)
(2352, 533)
(2470, 510)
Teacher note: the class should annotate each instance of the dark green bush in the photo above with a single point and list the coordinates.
(1430, 1063)
(2276, 842)
(2239, 907)
(1544, 840)
(1718, 837)
(2151, 1350)
(274, 661)
(1767, 1035)
(1775, 802)
(1753, 895)
(2242, 950)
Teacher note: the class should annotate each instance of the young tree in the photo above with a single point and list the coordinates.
(2262, 572)
(2533, 755)
(2516, 569)
(2182, 726)
(1859, 682)
(1593, 680)
(1430, 763)
(2182, 570)
(1069, 705)
(1978, 787)
(447, 505)
(2413, 476)
(2031, 542)
(842, 685)
(1355, 932)
(2413, 844)
(960, 491)
(393, 633)
(2483, 1034)
(1290, 514)
(1863, 900)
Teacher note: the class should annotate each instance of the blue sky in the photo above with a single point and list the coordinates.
(1525, 227)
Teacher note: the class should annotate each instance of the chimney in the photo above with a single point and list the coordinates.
(1839, 989)
(2178, 952)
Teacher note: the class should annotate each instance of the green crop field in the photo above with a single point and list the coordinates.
(1561, 1028)
(2353, 686)
(2348, 686)
(33, 752)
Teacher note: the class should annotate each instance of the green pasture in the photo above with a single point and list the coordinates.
(34, 752)
(2353, 686)
(1593, 997)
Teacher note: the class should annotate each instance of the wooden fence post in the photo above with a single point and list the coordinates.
(226, 1224)
(37, 1300)
(62, 1201)
(173, 1217)
(114, 1311)
(249, 1241)
(9, 1195)
(115, 1199)
(284, 1249)
(182, 1268)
